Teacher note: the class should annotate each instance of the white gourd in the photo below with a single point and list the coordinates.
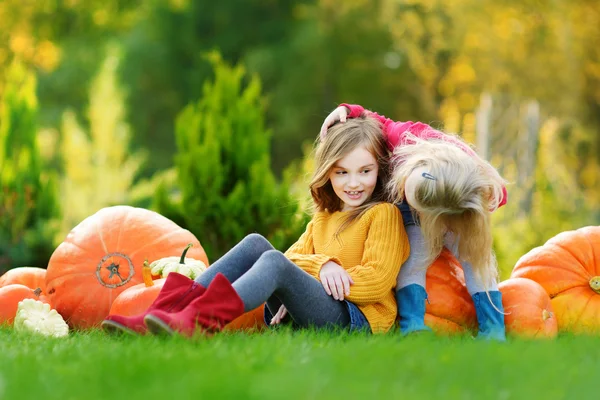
(34, 316)
(189, 267)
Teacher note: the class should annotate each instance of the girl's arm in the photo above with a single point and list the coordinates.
(386, 248)
(302, 253)
(396, 132)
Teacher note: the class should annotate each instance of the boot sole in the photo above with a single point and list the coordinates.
(157, 326)
(113, 327)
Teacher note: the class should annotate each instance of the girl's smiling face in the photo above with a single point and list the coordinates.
(354, 178)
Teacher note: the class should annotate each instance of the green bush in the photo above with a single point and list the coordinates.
(29, 208)
(226, 187)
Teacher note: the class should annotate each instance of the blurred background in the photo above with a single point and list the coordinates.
(205, 111)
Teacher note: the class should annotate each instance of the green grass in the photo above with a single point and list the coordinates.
(295, 365)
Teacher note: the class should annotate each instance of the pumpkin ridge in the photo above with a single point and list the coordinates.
(577, 285)
(580, 268)
(83, 249)
(587, 303)
(580, 285)
(579, 274)
(575, 321)
(49, 281)
(595, 256)
(160, 238)
(123, 225)
(99, 233)
(582, 264)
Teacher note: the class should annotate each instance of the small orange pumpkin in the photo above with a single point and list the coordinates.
(253, 320)
(450, 309)
(136, 299)
(103, 256)
(568, 268)
(528, 309)
(32, 277)
(10, 296)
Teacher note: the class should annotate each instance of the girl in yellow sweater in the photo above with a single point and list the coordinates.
(340, 273)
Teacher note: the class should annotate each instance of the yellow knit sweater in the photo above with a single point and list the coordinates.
(371, 249)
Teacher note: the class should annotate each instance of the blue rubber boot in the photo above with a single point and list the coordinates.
(491, 322)
(411, 309)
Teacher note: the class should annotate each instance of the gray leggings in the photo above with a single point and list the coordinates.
(260, 273)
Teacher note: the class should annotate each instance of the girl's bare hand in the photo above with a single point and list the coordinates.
(339, 114)
(335, 280)
(278, 317)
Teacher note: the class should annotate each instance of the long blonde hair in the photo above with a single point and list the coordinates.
(458, 195)
(340, 140)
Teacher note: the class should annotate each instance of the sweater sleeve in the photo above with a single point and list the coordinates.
(396, 132)
(355, 110)
(386, 248)
(302, 253)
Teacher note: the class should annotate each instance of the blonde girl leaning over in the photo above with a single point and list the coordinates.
(446, 193)
(340, 273)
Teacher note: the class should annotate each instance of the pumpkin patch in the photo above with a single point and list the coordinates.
(104, 255)
(568, 267)
(101, 268)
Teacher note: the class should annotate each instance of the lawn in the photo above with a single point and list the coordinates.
(296, 365)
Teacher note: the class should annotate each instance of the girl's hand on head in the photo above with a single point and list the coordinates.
(339, 114)
(277, 318)
(335, 280)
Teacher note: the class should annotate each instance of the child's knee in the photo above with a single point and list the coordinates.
(257, 240)
(273, 256)
(275, 261)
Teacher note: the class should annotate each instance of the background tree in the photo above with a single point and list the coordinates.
(227, 188)
(28, 199)
(164, 68)
(99, 170)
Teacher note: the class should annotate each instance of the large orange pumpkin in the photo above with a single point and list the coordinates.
(104, 255)
(10, 296)
(568, 268)
(32, 277)
(528, 309)
(450, 309)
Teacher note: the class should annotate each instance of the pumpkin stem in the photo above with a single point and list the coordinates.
(147, 274)
(546, 315)
(37, 292)
(595, 284)
(182, 260)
